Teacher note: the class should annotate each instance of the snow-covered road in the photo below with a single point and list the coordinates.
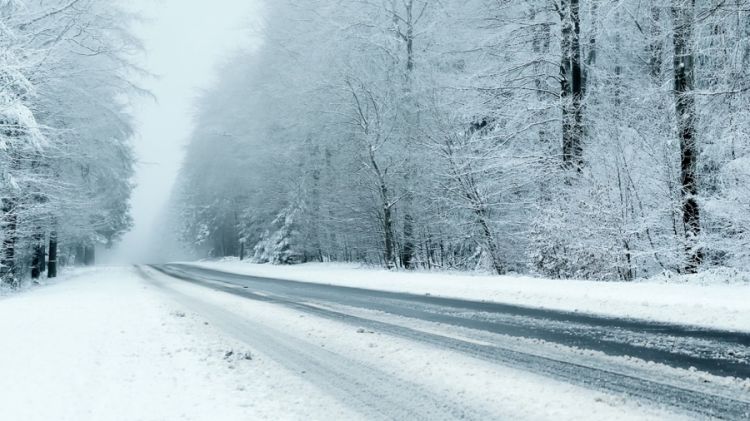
(136, 344)
(714, 351)
(586, 351)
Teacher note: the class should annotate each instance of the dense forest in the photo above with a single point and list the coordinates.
(65, 157)
(601, 139)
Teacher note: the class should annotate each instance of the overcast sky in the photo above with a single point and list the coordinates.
(185, 41)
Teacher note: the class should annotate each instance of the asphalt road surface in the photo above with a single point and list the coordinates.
(600, 353)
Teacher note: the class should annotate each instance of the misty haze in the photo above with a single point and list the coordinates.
(407, 210)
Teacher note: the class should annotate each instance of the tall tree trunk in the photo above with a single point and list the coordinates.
(38, 263)
(571, 81)
(408, 249)
(389, 255)
(52, 263)
(412, 121)
(684, 83)
(8, 270)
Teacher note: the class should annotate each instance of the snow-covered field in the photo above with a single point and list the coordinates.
(108, 344)
(722, 304)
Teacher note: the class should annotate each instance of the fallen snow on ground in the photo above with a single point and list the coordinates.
(102, 345)
(505, 392)
(721, 305)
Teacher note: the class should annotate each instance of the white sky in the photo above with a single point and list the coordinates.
(185, 41)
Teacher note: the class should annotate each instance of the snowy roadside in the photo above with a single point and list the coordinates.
(102, 344)
(719, 305)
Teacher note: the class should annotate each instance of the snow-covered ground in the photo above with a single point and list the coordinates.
(103, 345)
(109, 344)
(723, 303)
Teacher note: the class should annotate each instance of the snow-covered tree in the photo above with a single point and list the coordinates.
(67, 163)
(570, 138)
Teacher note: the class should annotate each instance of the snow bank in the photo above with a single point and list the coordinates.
(699, 301)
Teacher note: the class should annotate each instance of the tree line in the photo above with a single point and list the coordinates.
(601, 139)
(65, 161)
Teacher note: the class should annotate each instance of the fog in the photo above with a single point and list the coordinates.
(184, 42)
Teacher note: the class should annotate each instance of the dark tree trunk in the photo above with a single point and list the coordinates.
(8, 270)
(407, 252)
(52, 263)
(89, 257)
(38, 264)
(684, 83)
(571, 89)
(35, 269)
(388, 232)
(628, 274)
